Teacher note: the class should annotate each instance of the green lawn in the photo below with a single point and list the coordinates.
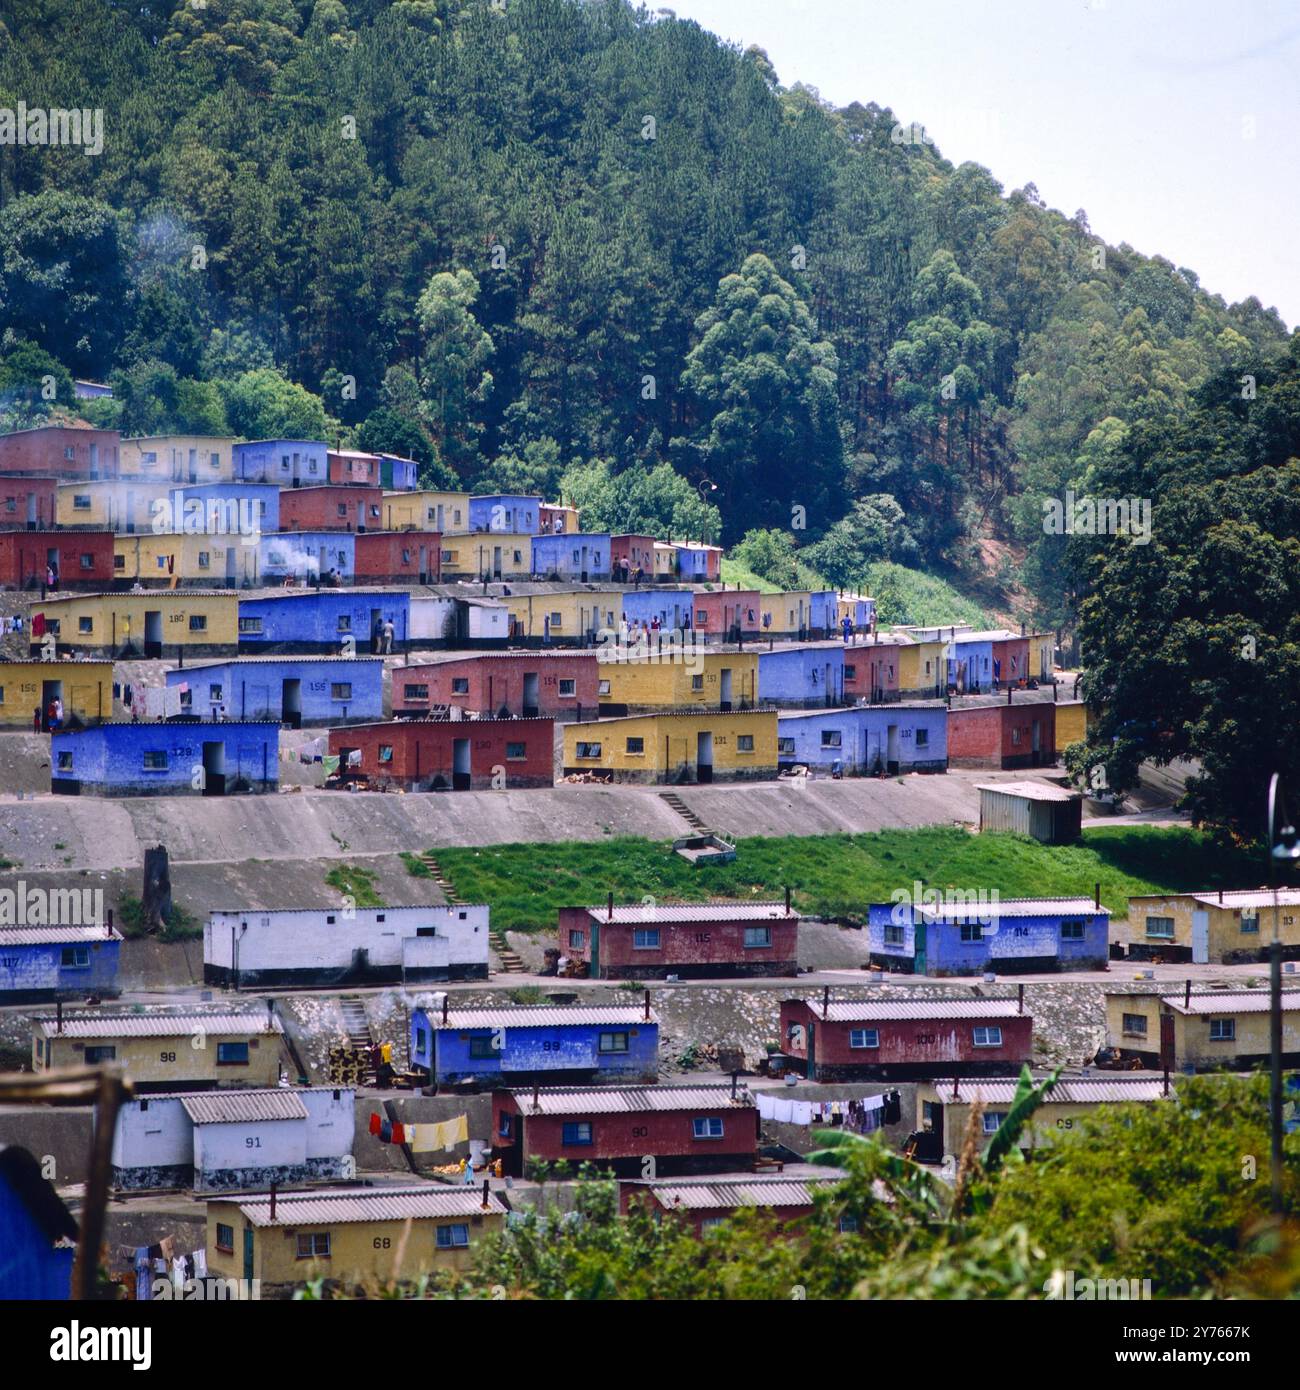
(838, 875)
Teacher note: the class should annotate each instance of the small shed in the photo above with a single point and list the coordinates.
(1047, 813)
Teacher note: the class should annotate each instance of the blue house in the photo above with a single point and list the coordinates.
(698, 563)
(864, 739)
(970, 661)
(286, 462)
(397, 474)
(672, 607)
(801, 677)
(341, 622)
(37, 1232)
(505, 512)
(1010, 936)
(41, 963)
(824, 612)
(543, 1043)
(225, 508)
(165, 759)
(308, 555)
(293, 690)
(581, 556)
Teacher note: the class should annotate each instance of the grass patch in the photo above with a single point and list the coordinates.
(178, 926)
(912, 596)
(415, 866)
(356, 883)
(837, 876)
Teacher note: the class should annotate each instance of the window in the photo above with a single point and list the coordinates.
(385, 752)
(709, 1223)
(343, 509)
(87, 561)
(65, 762)
(205, 560)
(1135, 1025)
(104, 1053)
(1250, 922)
(155, 760)
(517, 752)
(645, 938)
(557, 620)
(744, 743)
(831, 738)
(75, 957)
(454, 1237)
(758, 936)
(341, 690)
(198, 622)
(636, 745)
(993, 1120)
(314, 1245)
(986, 1037)
(864, 1037)
(923, 738)
(613, 1042)
(503, 1125)
(81, 502)
(1162, 927)
(417, 692)
(460, 685)
(785, 745)
(344, 623)
(1072, 931)
(972, 931)
(895, 934)
(697, 682)
(707, 1127)
(568, 688)
(850, 673)
(577, 940)
(225, 1238)
(848, 1224)
(1223, 1029)
(119, 562)
(250, 625)
(480, 1048)
(214, 694)
(602, 688)
(406, 555)
(589, 750)
(232, 1054)
(85, 624)
(577, 1132)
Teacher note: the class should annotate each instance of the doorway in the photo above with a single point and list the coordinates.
(50, 691)
(214, 769)
(531, 697)
(1037, 742)
(291, 703)
(1200, 937)
(704, 756)
(153, 632)
(724, 696)
(496, 562)
(460, 773)
(891, 749)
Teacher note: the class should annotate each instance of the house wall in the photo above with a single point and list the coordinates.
(201, 623)
(322, 620)
(182, 458)
(398, 474)
(871, 671)
(671, 745)
(486, 554)
(582, 556)
(699, 564)
(922, 738)
(513, 514)
(1047, 1122)
(921, 669)
(1071, 724)
(641, 686)
(174, 1063)
(329, 509)
(28, 502)
(709, 949)
(672, 607)
(562, 619)
(153, 1145)
(85, 558)
(1002, 736)
(87, 690)
(333, 690)
(57, 451)
(214, 561)
(109, 760)
(397, 557)
(288, 462)
(354, 467)
(494, 683)
(426, 511)
(553, 1053)
(422, 751)
(1018, 944)
(34, 973)
(800, 677)
(118, 505)
(307, 555)
(636, 552)
(723, 613)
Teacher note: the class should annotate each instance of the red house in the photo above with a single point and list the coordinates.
(1000, 735)
(61, 451)
(871, 671)
(728, 614)
(627, 554)
(82, 559)
(1011, 659)
(893, 1039)
(449, 754)
(712, 940)
(685, 1129)
(555, 685)
(399, 557)
(349, 466)
(706, 1202)
(28, 504)
(330, 508)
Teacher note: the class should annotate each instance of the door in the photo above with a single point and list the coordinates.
(130, 512)
(496, 562)
(214, 769)
(360, 963)
(33, 521)
(424, 564)
(50, 691)
(232, 577)
(1201, 937)
(725, 695)
(530, 695)
(460, 774)
(811, 1072)
(828, 685)
(583, 570)
(248, 1252)
(918, 948)
(932, 1115)
(291, 703)
(1037, 744)
(594, 958)
(704, 757)
(891, 749)
(153, 632)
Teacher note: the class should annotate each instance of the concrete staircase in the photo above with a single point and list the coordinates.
(357, 1027)
(511, 964)
(677, 804)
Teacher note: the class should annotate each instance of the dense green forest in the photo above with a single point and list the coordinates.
(514, 236)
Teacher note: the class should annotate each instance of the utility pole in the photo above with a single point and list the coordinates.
(1283, 849)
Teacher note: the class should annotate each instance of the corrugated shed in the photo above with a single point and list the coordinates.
(1253, 897)
(1032, 791)
(620, 1100)
(53, 936)
(541, 1016)
(855, 1010)
(1076, 1091)
(691, 912)
(1012, 907)
(762, 1192)
(159, 1025)
(1254, 1001)
(371, 1204)
(243, 1107)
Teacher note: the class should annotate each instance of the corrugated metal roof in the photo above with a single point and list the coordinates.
(1012, 907)
(52, 936)
(853, 1010)
(146, 1025)
(1253, 1001)
(685, 712)
(691, 912)
(1248, 897)
(54, 661)
(621, 1100)
(239, 1107)
(739, 1192)
(1034, 791)
(541, 1016)
(370, 1204)
(251, 660)
(342, 731)
(1074, 1091)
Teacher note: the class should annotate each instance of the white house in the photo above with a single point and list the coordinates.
(329, 946)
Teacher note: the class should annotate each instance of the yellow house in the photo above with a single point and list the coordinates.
(921, 668)
(717, 679)
(200, 621)
(686, 747)
(1213, 1030)
(1042, 646)
(356, 1235)
(120, 505)
(494, 554)
(426, 511)
(180, 1049)
(179, 458)
(1071, 722)
(665, 561)
(943, 1108)
(1221, 927)
(563, 616)
(787, 614)
(85, 687)
(171, 558)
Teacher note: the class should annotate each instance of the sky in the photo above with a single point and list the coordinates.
(1175, 124)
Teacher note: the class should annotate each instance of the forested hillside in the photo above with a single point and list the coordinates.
(519, 237)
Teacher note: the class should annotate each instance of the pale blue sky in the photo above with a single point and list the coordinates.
(1174, 123)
